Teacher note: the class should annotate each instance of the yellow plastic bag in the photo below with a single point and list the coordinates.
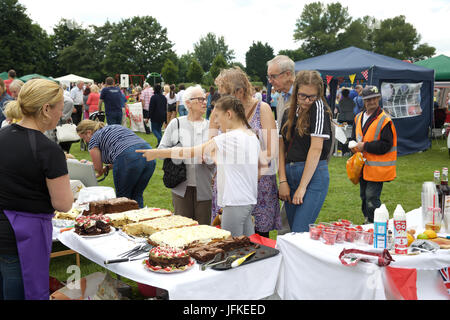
(354, 167)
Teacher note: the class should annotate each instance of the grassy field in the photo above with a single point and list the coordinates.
(342, 200)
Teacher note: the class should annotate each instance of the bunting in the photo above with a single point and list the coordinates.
(365, 74)
(352, 77)
(329, 79)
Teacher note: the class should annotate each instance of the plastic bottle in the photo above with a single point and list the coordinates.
(400, 235)
(380, 228)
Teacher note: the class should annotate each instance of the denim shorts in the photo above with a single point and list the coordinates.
(300, 216)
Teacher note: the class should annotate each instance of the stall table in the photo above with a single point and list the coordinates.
(248, 282)
(312, 270)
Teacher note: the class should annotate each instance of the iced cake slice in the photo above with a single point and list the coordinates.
(182, 237)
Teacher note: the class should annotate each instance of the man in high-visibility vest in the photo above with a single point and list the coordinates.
(376, 138)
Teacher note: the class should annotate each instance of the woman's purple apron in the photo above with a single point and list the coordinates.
(33, 233)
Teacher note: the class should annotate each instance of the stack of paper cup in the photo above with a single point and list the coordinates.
(430, 198)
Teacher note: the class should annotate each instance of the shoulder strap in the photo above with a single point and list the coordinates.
(251, 111)
(178, 123)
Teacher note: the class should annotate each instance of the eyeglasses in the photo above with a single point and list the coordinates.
(303, 96)
(274, 76)
(200, 99)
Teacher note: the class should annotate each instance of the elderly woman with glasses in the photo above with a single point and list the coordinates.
(191, 198)
(305, 142)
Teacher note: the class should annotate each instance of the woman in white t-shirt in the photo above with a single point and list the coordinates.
(236, 154)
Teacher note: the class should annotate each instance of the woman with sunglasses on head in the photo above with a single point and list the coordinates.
(235, 82)
(305, 142)
(191, 198)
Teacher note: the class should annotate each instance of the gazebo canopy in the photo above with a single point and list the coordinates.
(33, 76)
(74, 78)
(441, 66)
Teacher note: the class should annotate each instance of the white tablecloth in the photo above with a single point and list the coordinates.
(312, 270)
(249, 282)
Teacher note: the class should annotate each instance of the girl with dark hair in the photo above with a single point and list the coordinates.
(236, 154)
(157, 110)
(304, 147)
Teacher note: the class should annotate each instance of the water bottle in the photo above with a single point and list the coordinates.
(380, 228)
(400, 235)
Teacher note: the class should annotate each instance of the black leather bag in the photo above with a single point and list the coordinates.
(174, 174)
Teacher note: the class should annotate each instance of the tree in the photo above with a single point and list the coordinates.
(24, 45)
(208, 47)
(399, 39)
(218, 64)
(319, 26)
(169, 72)
(295, 55)
(195, 72)
(256, 60)
(183, 66)
(138, 45)
(359, 33)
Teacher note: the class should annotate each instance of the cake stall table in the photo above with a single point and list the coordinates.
(248, 282)
(312, 270)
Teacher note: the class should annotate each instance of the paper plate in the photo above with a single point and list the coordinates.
(165, 270)
(97, 235)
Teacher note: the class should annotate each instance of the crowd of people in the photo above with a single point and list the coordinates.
(233, 140)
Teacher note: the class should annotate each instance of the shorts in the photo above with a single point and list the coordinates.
(172, 107)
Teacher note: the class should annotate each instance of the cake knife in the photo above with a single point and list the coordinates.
(123, 260)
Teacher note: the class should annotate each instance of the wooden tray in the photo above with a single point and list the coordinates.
(262, 252)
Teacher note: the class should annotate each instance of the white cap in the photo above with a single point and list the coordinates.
(380, 214)
(399, 212)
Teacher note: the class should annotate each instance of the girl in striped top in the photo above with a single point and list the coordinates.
(115, 145)
(305, 143)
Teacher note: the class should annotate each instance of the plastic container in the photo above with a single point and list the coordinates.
(329, 236)
(345, 222)
(433, 219)
(340, 237)
(314, 231)
(350, 234)
(400, 234)
(380, 224)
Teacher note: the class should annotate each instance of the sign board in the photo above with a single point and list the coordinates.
(124, 81)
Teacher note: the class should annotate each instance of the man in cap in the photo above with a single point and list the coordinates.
(376, 138)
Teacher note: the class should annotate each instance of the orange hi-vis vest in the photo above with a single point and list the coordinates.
(377, 167)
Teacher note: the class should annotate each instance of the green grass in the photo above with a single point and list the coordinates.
(342, 200)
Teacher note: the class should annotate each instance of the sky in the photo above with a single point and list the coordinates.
(240, 22)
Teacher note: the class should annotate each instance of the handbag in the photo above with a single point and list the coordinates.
(174, 174)
(67, 133)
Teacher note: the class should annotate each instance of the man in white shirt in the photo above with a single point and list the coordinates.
(77, 96)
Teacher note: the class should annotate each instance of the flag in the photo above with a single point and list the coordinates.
(329, 79)
(352, 77)
(445, 274)
(404, 281)
(365, 74)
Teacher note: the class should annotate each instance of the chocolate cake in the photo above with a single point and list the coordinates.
(206, 252)
(168, 257)
(92, 225)
(111, 206)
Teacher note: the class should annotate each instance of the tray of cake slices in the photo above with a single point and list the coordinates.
(229, 253)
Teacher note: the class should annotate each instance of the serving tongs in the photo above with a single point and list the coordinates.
(212, 263)
(131, 255)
